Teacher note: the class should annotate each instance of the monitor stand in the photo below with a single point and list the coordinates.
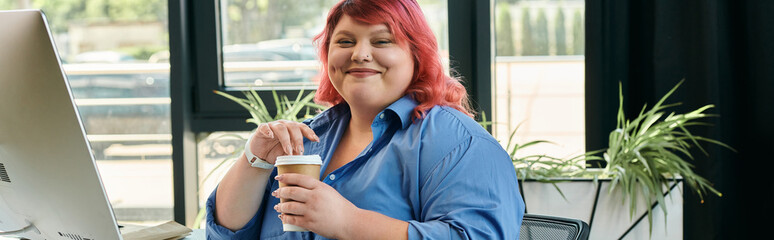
(29, 227)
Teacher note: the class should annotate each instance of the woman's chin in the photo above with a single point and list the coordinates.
(362, 98)
(368, 99)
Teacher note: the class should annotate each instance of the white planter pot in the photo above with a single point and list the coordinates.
(611, 219)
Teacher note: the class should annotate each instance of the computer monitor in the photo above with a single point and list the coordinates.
(49, 183)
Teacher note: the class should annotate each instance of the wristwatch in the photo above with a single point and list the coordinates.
(253, 160)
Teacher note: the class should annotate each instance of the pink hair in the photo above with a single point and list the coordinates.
(430, 85)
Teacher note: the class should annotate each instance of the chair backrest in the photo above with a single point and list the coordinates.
(539, 227)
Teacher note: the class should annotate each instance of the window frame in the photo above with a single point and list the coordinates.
(212, 112)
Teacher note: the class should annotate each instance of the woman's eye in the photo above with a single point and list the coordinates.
(345, 42)
(382, 42)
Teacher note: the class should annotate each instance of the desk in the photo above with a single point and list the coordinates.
(197, 234)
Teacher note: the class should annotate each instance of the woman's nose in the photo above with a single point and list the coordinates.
(362, 53)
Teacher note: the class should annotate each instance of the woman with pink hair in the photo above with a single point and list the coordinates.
(402, 156)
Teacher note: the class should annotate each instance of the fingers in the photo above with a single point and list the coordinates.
(300, 180)
(281, 133)
(293, 208)
(290, 135)
(294, 197)
(293, 219)
(309, 133)
(265, 131)
(292, 193)
(296, 139)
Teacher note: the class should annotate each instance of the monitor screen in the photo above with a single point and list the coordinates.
(49, 184)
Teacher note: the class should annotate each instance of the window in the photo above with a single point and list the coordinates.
(114, 56)
(539, 74)
(268, 44)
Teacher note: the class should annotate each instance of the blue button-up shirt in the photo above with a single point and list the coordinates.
(444, 174)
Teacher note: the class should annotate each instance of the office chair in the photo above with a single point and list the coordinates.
(542, 227)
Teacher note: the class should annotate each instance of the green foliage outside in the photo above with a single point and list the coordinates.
(527, 41)
(61, 13)
(142, 52)
(533, 32)
(251, 21)
(7, 4)
(242, 17)
(561, 42)
(578, 34)
(504, 32)
(541, 34)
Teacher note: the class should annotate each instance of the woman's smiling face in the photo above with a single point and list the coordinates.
(366, 65)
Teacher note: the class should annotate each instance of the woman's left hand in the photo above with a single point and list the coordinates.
(316, 206)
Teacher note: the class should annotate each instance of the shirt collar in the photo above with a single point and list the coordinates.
(403, 108)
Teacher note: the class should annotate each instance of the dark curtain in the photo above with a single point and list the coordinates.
(724, 49)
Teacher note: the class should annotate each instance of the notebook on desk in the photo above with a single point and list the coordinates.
(49, 184)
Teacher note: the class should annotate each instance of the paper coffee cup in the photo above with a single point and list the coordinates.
(302, 164)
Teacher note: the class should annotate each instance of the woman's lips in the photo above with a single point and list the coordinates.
(362, 72)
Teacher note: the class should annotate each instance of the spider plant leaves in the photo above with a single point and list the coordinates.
(244, 103)
(485, 123)
(294, 109)
(644, 155)
(285, 108)
(258, 109)
(642, 152)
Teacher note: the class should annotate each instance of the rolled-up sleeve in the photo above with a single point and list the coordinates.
(249, 231)
(472, 193)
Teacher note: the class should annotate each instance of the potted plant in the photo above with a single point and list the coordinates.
(286, 109)
(647, 157)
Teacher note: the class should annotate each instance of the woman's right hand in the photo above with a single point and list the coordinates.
(236, 195)
(281, 137)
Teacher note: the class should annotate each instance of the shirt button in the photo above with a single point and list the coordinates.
(381, 116)
(332, 177)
